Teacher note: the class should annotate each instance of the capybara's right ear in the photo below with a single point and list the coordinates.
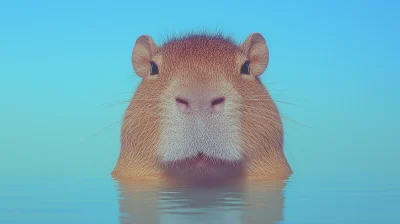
(142, 53)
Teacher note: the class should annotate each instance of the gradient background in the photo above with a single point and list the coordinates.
(62, 63)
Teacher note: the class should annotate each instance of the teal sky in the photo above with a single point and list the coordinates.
(61, 62)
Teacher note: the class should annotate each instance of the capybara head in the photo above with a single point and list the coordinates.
(201, 111)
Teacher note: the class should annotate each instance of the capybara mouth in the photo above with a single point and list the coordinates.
(201, 161)
(204, 168)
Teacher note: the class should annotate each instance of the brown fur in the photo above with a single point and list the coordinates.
(196, 62)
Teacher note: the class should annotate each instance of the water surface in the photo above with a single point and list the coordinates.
(105, 200)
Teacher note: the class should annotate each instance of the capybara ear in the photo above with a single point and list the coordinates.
(142, 53)
(256, 50)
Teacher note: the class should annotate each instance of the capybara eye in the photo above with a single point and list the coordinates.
(153, 68)
(245, 68)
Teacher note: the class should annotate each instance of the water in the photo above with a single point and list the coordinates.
(105, 200)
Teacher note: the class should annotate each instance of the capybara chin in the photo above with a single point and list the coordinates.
(201, 112)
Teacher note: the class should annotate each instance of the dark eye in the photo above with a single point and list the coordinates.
(245, 68)
(153, 68)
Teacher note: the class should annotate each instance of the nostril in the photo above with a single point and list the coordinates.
(182, 101)
(218, 101)
(183, 105)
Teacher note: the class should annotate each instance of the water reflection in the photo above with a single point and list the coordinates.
(154, 202)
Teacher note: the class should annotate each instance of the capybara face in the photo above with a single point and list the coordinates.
(200, 109)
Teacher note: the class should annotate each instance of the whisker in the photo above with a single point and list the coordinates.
(147, 99)
(268, 116)
(267, 96)
(272, 97)
(278, 101)
(268, 99)
(286, 117)
(284, 97)
(101, 131)
(283, 115)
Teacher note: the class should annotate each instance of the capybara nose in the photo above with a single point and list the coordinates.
(193, 103)
(217, 104)
(183, 105)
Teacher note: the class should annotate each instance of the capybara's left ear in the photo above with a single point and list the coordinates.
(142, 54)
(256, 50)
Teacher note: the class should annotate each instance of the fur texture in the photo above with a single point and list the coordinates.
(245, 139)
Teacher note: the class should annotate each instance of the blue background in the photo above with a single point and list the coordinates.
(63, 63)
